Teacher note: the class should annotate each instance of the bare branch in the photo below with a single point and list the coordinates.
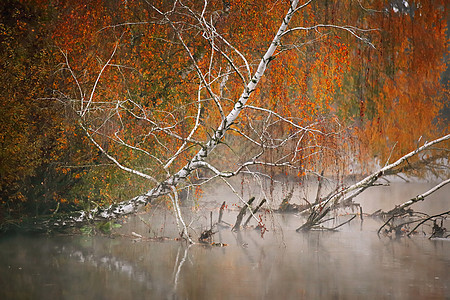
(91, 97)
(320, 210)
(351, 29)
(133, 171)
(418, 198)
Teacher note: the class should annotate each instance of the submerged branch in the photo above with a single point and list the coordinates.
(345, 195)
(427, 219)
(241, 214)
(418, 198)
(254, 212)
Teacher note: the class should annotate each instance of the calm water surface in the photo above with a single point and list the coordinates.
(350, 264)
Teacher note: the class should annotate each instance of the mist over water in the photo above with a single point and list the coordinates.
(352, 263)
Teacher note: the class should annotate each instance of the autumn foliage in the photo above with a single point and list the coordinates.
(367, 102)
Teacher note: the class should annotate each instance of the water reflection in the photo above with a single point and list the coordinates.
(179, 262)
(349, 264)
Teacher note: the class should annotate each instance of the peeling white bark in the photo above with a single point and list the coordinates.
(198, 160)
(420, 197)
(320, 210)
(168, 185)
(357, 188)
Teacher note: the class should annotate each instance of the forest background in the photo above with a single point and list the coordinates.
(366, 99)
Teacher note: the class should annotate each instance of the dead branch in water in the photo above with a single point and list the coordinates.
(254, 212)
(434, 221)
(241, 214)
(222, 207)
(418, 198)
(403, 211)
(401, 228)
(346, 194)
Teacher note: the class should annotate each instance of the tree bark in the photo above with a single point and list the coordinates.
(241, 214)
(320, 210)
(198, 161)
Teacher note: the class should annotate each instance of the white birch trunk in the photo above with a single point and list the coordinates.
(320, 210)
(165, 187)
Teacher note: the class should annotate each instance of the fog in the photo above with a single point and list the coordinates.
(352, 263)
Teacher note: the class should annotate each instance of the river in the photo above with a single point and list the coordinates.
(352, 263)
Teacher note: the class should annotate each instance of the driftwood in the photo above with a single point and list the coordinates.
(401, 227)
(319, 187)
(254, 212)
(315, 218)
(345, 195)
(437, 231)
(286, 207)
(403, 207)
(222, 207)
(242, 213)
(409, 216)
(405, 219)
(206, 236)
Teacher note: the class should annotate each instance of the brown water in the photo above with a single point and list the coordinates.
(350, 264)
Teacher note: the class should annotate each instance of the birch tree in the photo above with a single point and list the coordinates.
(219, 104)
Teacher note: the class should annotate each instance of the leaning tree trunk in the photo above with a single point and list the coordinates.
(320, 210)
(198, 161)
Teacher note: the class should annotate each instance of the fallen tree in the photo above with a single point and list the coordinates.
(84, 105)
(402, 207)
(346, 194)
(318, 211)
(401, 217)
(265, 133)
(294, 141)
